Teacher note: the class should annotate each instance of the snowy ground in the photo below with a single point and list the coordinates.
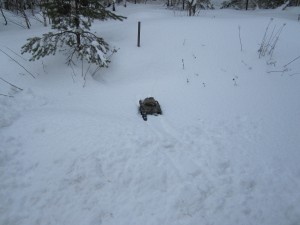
(225, 151)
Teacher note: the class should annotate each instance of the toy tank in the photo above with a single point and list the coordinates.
(149, 106)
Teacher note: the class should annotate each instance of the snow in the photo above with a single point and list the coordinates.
(100, 52)
(225, 151)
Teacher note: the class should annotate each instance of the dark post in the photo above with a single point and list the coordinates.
(247, 4)
(139, 34)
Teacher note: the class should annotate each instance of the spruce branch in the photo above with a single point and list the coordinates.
(71, 21)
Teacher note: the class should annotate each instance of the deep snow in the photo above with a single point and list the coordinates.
(225, 151)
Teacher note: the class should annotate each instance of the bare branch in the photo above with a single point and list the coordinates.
(240, 39)
(17, 63)
(10, 96)
(11, 84)
(292, 61)
(16, 54)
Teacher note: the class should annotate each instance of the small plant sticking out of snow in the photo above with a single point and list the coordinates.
(241, 44)
(270, 40)
(234, 80)
(272, 63)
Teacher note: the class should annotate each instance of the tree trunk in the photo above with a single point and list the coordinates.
(3, 14)
(191, 5)
(6, 5)
(32, 7)
(44, 17)
(23, 13)
(26, 18)
(77, 23)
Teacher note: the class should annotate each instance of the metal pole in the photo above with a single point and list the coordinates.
(139, 34)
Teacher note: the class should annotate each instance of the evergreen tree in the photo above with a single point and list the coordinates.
(72, 19)
(252, 4)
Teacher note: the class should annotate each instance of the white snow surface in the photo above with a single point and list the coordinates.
(225, 151)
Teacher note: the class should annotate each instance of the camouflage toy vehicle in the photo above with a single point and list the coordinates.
(149, 106)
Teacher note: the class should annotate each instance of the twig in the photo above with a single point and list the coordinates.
(11, 84)
(276, 40)
(293, 74)
(269, 42)
(17, 63)
(95, 71)
(82, 67)
(112, 53)
(16, 54)
(88, 69)
(84, 76)
(263, 42)
(276, 71)
(10, 96)
(279, 71)
(292, 61)
(73, 73)
(44, 68)
(240, 39)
